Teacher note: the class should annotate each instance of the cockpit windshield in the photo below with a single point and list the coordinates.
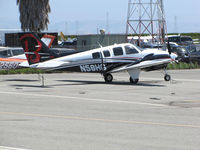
(133, 48)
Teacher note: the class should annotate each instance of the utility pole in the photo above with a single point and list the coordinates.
(77, 27)
(66, 28)
(107, 23)
(175, 24)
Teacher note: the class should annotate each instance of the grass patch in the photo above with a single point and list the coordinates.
(181, 65)
(21, 71)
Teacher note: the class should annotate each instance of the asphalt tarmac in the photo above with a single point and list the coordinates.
(75, 111)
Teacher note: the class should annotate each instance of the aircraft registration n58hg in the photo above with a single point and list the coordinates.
(104, 60)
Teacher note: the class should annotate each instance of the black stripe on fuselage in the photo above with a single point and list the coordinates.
(97, 67)
(154, 57)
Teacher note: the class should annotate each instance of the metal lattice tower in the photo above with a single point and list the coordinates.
(146, 17)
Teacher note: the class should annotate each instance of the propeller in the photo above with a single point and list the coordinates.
(169, 48)
(172, 55)
(102, 63)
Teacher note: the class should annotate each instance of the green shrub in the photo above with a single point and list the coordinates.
(182, 65)
(21, 71)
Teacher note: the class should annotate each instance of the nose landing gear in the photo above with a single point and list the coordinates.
(167, 77)
(134, 81)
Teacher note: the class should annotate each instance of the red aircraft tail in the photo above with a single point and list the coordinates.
(36, 51)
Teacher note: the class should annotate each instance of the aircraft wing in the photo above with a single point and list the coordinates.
(49, 65)
(142, 65)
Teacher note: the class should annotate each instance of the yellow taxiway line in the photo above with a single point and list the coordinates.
(102, 120)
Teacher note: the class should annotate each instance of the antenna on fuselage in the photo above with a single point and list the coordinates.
(99, 44)
(101, 38)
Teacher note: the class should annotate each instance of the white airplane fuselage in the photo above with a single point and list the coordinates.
(86, 62)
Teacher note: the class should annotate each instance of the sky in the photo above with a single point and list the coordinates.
(88, 16)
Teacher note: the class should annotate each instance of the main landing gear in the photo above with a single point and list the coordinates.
(134, 81)
(167, 77)
(108, 77)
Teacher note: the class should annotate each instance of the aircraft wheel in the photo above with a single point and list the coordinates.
(108, 77)
(135, 81)
(167, 77)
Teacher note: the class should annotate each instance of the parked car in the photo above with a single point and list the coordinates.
(194, 53)
(181, 51)
(71, 43)
(181, 40)
(151, 45)
(6, 52)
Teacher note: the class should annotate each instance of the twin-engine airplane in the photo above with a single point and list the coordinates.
(104, 60)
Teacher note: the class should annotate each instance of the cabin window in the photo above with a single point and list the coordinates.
(3, 53)
(106, 53)
(96, 55)
(17, 52)
(130, 50)
(118, 51)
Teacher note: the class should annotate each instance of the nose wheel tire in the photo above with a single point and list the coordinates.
(167, 77)
(108, 77)
(134, 81)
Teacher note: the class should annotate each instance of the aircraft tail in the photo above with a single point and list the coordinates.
(35, 49)
(62, 36)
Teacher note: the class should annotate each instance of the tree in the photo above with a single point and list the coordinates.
(34, 14)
